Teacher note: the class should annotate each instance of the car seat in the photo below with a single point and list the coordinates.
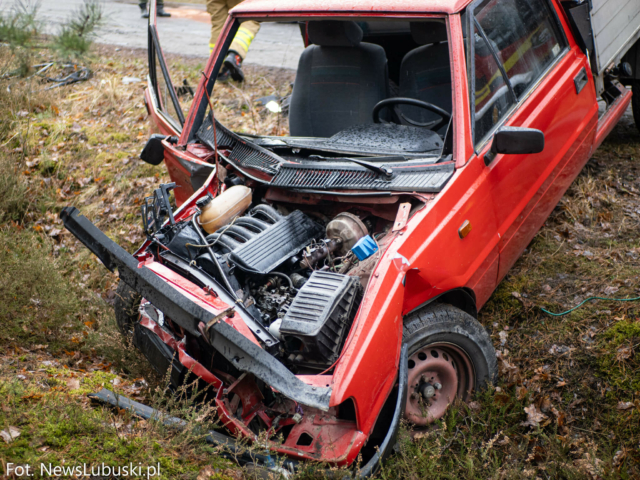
(425, 73)
(338, 82)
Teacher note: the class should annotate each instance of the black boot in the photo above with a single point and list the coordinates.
(143, 10)
(232, 63)
(160, 11)
(223, 76)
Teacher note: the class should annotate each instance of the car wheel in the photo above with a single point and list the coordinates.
(635, 103)
(126, 309)
(450, 356)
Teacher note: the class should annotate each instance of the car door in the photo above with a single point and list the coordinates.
(160, 95)
(527, 74)
(186, 170)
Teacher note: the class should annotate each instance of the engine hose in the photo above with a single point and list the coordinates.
(286, 277)
(223, 240)
(215, 259)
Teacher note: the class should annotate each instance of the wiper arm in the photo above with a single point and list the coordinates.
(379, 169)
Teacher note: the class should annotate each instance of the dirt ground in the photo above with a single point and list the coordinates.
(567, 403)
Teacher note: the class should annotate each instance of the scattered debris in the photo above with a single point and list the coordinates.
(128, 80)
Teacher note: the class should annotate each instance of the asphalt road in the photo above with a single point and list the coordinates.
(186, 32)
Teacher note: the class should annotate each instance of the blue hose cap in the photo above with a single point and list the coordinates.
(365, 247)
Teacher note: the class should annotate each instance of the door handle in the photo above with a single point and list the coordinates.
(580, 80)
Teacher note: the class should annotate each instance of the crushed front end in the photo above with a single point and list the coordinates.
(260, 309)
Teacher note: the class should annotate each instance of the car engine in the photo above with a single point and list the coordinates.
(290, 271)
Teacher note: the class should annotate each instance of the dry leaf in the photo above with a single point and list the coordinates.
(619, 457)
(610, 290)
(560, 349)
(206, 473)
(625, 405)
(592, 465)
(73, 383)
(10, 434)
(475, 406)
(521, 393)
(534, 416)
(624, 353)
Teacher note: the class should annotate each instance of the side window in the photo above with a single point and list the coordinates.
(523, 36)
(493, 97)
(526, 35)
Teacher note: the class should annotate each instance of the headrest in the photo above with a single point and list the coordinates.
(334, 33)
(424, 33)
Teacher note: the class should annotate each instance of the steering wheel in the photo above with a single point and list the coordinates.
(446, 116)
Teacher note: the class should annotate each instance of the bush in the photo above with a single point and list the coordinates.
(37, 303)
(79, 31)
(18, 28)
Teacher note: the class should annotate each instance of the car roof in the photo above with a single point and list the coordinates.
(350, 6)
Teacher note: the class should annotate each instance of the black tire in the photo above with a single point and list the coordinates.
(126, 309)
(449, 327)
(635, 102)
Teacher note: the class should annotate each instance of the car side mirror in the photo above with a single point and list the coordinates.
(153, 151)
(515, 141)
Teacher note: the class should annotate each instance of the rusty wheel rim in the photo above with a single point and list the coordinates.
(439, 374)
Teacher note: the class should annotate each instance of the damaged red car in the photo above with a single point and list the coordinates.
(326, 284)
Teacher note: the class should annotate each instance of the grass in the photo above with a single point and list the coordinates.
(577, 374)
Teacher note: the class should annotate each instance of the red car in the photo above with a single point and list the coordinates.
(326, 284)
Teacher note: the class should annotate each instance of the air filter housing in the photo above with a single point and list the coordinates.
(320, 316)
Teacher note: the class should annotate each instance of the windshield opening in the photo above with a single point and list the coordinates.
(368, 96)
(384, 85)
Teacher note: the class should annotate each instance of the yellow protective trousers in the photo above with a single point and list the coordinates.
(219, 11)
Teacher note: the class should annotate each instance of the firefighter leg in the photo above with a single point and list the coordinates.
(239, 48)
(219, 12)
(245, 35)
